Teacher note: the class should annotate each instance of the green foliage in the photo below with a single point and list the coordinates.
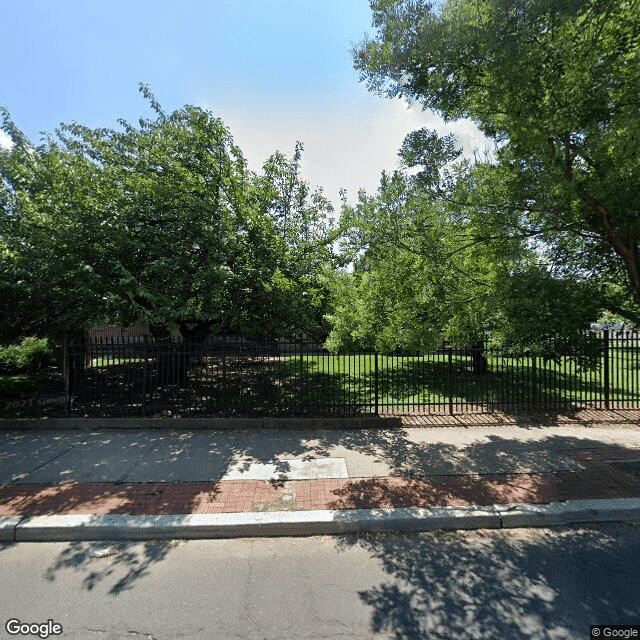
(546, 316)
(303, 223)
(433, 265)
(527, 248)
(30, 355)
(412, 285)
(159, 223)
(555, 84)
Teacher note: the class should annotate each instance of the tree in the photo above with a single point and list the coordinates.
(555, 84)
(305, 231)
(427, 270)
(161, 223)
(48, 241)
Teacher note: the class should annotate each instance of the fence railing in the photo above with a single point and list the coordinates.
(108, 377)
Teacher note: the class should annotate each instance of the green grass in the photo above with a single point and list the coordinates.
(432, 379)
(106, 362)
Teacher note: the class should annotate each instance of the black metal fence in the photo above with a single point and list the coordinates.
(221, 377)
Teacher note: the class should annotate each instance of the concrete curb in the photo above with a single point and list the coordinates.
(306, 523)
(7, 527)
(569, 512)
(229, 525)
(199, 423)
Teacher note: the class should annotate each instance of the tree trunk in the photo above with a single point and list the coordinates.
(171, 366)
(480, 364)
(193, 332)
(175, 357)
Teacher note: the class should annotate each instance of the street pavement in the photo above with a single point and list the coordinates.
(483, 470)
(538, 584)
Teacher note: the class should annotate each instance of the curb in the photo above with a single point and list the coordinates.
(307, 523)
(8, 526)
(250, 524)
(569, 512)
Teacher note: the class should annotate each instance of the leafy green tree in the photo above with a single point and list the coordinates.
(555, 84)
(429, 270)
(304, 224)
(48, 241)
(161, 223)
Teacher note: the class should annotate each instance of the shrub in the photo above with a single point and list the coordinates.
(31, 354)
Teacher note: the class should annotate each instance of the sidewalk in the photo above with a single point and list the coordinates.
(479, 465)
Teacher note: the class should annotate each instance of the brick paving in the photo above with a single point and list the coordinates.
(587, 416)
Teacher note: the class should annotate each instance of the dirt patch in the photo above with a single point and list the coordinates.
(281, 503)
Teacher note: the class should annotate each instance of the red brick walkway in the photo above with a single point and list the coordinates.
(599, 480)
(584, 417)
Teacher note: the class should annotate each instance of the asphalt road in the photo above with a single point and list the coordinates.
(538, 583)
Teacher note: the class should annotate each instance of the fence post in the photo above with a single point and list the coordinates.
(65, 373)
(301, 378)
(376, 382)
(450, 378)
(605, 352)
(534, 381)
(224, 376)
(145, 368)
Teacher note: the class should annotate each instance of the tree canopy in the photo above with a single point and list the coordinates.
(555, 84)
(427, 270)
(160, 223)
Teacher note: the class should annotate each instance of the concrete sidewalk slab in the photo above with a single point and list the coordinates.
(98, 457)
(510, 448)
(185, 456)
(202, 456)
(23, 452)
(288, 470)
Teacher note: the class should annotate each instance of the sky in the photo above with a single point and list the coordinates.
(276, 71)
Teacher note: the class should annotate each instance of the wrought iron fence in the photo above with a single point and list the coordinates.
(221, 377)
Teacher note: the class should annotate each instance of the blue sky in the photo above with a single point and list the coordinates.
(275, 71)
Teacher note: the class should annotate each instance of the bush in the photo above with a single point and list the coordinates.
(31, 354)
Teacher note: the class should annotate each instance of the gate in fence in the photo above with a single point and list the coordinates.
(221, 377)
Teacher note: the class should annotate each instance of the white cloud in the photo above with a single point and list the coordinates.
(5, 141)
(346, 146)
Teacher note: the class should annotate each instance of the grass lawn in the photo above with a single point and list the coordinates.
(103, 361)
(431, 379)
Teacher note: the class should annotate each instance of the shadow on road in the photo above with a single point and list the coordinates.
(538, 584)
(125, 562)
